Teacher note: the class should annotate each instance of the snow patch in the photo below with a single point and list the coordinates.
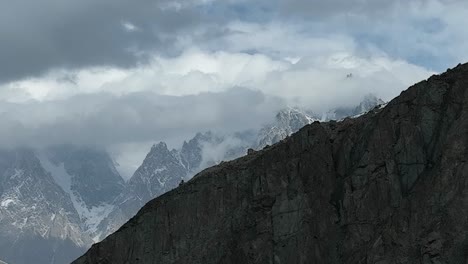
(158, 170)
(91, 217)
(7, 202)
(58, 172)
(18, 173)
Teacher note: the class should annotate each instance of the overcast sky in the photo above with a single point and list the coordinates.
(123, 74)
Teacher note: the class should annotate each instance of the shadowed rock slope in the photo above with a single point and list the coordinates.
(387, 187)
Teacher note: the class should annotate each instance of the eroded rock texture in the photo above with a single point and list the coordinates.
(387, 187)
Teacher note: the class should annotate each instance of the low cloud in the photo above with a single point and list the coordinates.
(105, 120)
(172, 99)
(123, 74)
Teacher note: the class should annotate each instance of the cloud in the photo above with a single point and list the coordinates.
(227, 82)
(419, 32)
(42, 35)
(315, 81)
(123, 74)
(226, 149)
(172, 99)
(105, 120)
(46, 35)
(129, 27)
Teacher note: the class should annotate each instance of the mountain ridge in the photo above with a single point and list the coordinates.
(385, 187)
(94, 196)
(167, 168)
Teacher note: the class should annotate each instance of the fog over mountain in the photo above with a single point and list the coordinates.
(81, 198)
(176, 67)
(106, 104)
(388, 186)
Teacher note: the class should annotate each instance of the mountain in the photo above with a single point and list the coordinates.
(208, 149)
(385, 187)
(94, 179)
(161, 171)
(164, 169)
(52, 200)
(192, 151)
(89, 177)
(91, 200)
(367, 103)
(38, 222)
(290, 120)
(287, 121)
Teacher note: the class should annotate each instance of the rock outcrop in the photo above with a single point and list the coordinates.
(390, 186)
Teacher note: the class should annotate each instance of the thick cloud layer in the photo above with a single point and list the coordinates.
(39, 35)
(197, 91)
(104, 119)
(122, 74)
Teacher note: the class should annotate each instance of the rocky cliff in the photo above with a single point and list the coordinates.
(386, 187)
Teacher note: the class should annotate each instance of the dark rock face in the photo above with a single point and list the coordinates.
(387, 187)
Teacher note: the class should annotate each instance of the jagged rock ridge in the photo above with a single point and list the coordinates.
(387, 187)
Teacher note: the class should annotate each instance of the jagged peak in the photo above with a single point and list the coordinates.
(370, 97)
(291, 109)
(292, 112)
(159, 146)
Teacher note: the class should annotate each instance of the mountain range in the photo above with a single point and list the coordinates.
(388, 186)
(57, 201)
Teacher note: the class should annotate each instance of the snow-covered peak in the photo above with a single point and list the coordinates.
(161, 146)
(287, 121)
(370, 101)
(158, 168)
(293, 118)
(367, 103)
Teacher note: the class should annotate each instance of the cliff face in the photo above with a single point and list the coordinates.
(387, 187)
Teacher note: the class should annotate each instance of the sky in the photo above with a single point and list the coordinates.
(124, 74)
